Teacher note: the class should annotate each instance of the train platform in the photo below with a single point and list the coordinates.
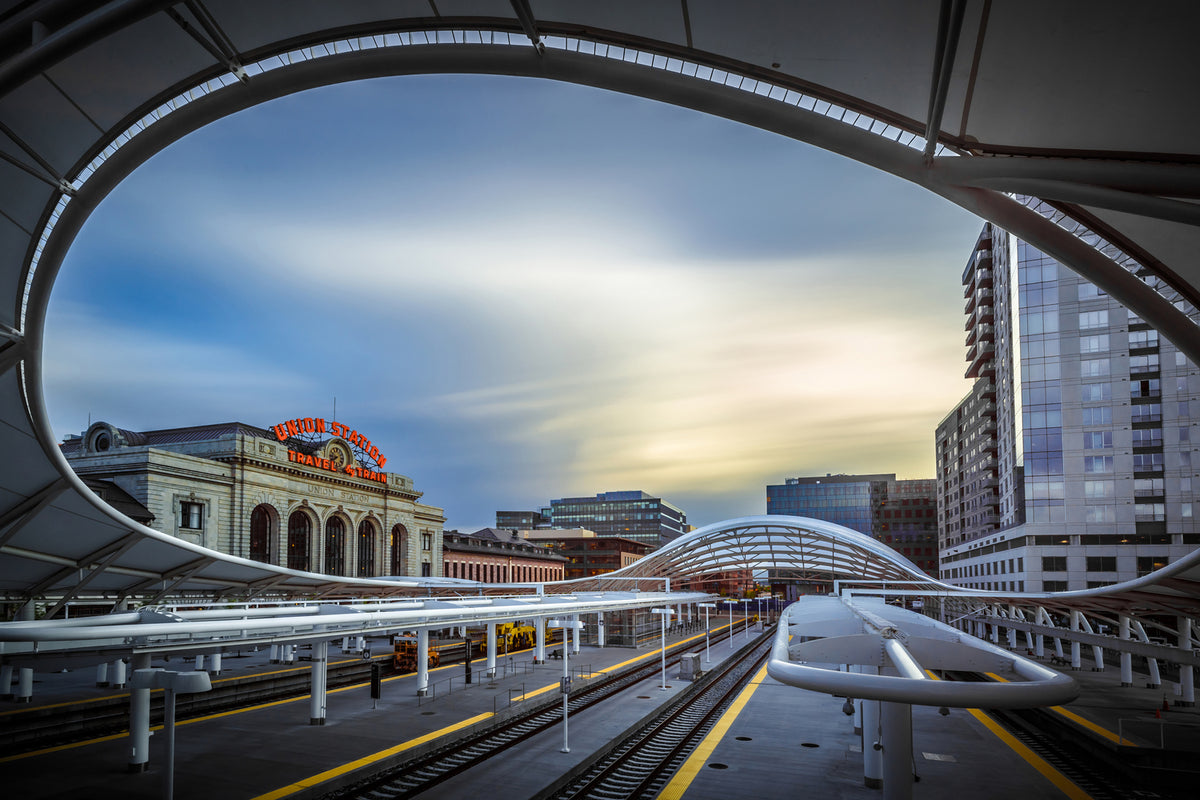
(774, 741)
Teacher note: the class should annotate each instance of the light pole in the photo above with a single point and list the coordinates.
(565, 687)
(171, 683)
(663, 613)
(731, 604)
(746, 615)
(706, 607)
(761, 625)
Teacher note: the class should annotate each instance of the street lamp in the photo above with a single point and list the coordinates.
(745, 616)
(663, 613)
(731, 604)
(761, 625)
(565, 687)
(706, 607)
(171, 683)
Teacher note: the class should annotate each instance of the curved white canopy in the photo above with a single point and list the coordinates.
(1068, 124)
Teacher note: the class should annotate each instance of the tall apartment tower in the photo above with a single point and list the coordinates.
(632, 515)
(1071, 462)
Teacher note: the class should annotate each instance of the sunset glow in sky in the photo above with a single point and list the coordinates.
(522, 290)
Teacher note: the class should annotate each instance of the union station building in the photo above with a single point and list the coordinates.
(307, 494)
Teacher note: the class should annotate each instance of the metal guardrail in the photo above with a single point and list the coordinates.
(1186, 734)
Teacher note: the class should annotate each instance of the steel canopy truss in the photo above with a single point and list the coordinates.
(1080, 142)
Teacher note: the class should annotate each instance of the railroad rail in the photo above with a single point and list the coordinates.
(1096, 770)
(416, 775)
(641, 765)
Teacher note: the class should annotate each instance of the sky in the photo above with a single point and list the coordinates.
(522, 290)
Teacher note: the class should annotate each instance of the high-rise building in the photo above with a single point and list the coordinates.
(633, 515)
(521, 520)
(900, 513)
(1069, 465)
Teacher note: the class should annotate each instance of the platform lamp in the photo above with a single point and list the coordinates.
(663, 613)
(565, 687)
(706, 607)
(746, 616)
(172, 683)
(731, 603)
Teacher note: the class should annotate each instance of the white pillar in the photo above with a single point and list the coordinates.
(275, 659)
(101, 675)
(491, 650)
(139, 720)
(857, 707)
(872, 743)
(200, 662)
(423, 662)
(317, 695)
(215, 667)
(345, 645)
(24, 685)
(1187, 689)
(289, 653)
(897, 751)
(1075, 660)
(600, 628)
(6, 673)
(539, 647)
(1039, 646)
(574, 637)
(1126, 656)
(118, 674)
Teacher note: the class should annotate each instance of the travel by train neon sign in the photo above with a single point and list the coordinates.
(315, 428)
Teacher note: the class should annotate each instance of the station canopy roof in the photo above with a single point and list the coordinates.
(1071, 125)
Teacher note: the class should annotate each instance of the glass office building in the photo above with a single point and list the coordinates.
(632, 515)
(900, 513)
(1080, 473)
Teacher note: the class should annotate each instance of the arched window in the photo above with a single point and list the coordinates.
(366, 549)
(261, 524)
(299, 535)
(335, 546)
(399, 548)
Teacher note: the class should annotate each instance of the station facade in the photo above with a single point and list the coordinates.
(495, 556)
(307, 494)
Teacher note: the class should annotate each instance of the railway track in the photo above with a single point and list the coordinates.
(645, 761)
(1063, 747)
(417, 775)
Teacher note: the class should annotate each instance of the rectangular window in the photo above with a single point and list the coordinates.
(1054, 563)
(1145, 388)
(1093, 319)
(426, 569)
(1147, 437)
(426, 541)
(1054, 586)
(1142, 339)
(1102, 563)
(1097, 416)
(1089, 291)
(1098, 489)
(191, 515)
(1095, 392)
(1149, 512)
(1094, 368)
(1097, 343)
(1094, 513)
(1147, 487)
(1143, 363)
(1096, 464)
(1146, 412)
(1097, 440)
(1147, 462)
(1148, 564)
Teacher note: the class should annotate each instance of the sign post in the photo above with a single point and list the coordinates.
(663, 614)
(565, 683)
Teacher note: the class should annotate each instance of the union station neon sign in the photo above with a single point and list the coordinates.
(336, 459)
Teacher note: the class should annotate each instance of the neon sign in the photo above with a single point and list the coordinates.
(306, 427)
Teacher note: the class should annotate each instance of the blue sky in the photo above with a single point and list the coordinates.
(522, 290)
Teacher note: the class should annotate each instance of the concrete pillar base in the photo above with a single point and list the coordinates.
(316, 720)
(1126, 684)
(22, 699)
(1153, 685)
(1097, 669)
(858, 731)
(422, 692)
(135, 769)
(873, 783)
(1185, 703)
(539, 661)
